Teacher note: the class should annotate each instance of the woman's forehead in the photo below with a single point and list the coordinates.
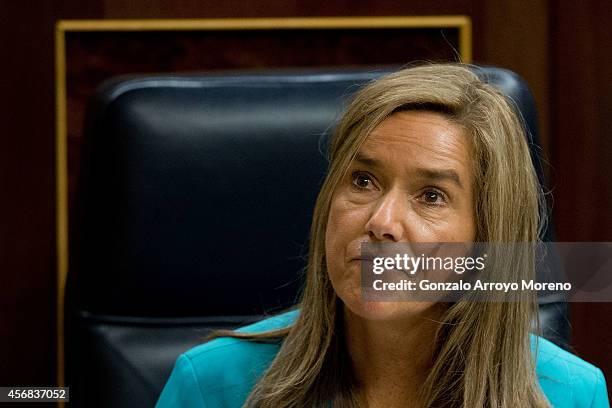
(418, 136)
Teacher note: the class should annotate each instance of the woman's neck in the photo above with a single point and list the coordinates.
(391, 359)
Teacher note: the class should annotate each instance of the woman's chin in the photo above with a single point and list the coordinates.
(384, 310)
(377, 310)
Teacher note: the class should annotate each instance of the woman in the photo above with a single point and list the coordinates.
(427, 154)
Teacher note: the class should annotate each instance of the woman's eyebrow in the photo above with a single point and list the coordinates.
(439, 175)
(421, 172)
(367, 161)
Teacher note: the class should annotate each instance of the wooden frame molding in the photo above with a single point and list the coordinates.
(462, 23)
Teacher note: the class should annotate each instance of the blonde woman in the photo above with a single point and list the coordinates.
(427, 154)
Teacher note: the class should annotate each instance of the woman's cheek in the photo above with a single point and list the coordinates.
(344, 234)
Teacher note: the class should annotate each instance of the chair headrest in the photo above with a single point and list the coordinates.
(197, 192)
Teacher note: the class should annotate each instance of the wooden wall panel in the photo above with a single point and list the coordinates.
(582, 151)
(26, 181)
(279, 8)
(523, 48)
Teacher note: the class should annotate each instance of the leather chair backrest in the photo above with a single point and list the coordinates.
(193, 211)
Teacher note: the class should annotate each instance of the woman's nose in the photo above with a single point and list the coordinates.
(388, 219)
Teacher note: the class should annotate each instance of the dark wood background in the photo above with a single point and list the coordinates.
(562, 48)
(95, 56)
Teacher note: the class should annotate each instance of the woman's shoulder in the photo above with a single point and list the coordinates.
(223, 371)
(566, 379)
(228, 351)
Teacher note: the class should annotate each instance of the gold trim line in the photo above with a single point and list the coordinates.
(266, 23)
(61, 170)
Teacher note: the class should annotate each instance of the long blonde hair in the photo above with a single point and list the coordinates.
(483, 356)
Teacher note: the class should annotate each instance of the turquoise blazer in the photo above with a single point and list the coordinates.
(222, 372)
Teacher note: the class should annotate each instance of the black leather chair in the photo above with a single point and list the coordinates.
(193, 211)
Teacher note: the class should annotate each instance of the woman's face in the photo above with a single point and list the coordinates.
(411, 181)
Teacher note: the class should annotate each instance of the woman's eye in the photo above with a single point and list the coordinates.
(433, 197)
(362, 181)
